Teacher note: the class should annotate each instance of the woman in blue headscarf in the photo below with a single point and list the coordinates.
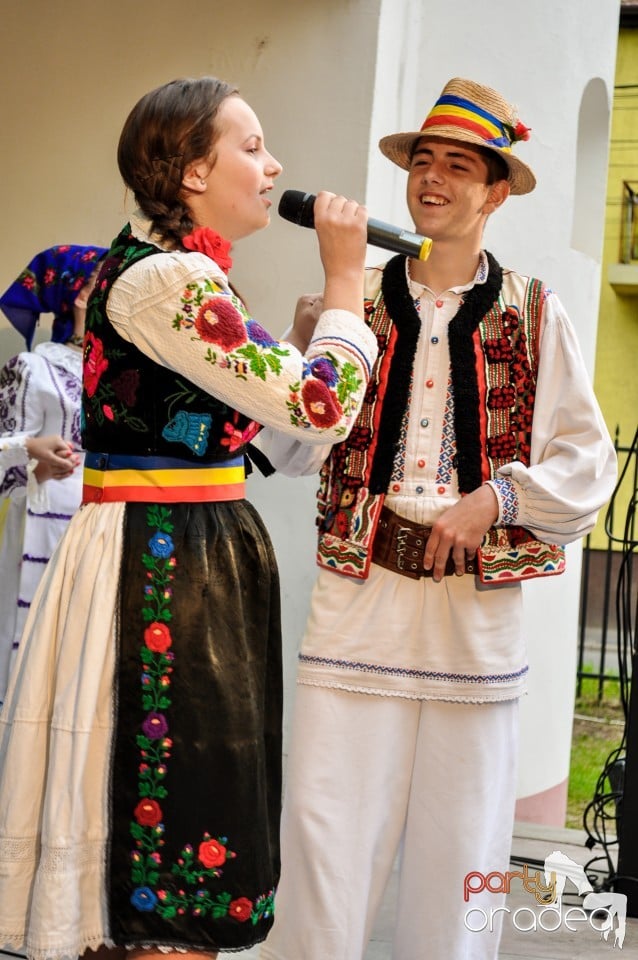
(40, 427)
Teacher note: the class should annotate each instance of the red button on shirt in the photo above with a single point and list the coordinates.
(439, 303)
(440, 489)
(396, 487)
(429, 384)
(420, 463)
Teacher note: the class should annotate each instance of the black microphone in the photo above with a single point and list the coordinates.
(298, 207)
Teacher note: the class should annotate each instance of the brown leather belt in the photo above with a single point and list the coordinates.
(399, 545)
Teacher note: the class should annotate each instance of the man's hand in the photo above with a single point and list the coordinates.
(307, 312)
(460, 530)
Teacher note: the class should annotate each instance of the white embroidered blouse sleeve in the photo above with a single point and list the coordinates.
(20, 418)
(177, 309)
(573, 466)
(289, 456)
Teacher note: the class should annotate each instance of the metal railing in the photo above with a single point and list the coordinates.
(609, 588)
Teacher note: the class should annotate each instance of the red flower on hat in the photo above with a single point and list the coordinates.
(521, 132)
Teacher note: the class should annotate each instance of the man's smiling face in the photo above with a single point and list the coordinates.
(447, 193)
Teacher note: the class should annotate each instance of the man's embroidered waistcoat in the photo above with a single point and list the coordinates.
(494, 343)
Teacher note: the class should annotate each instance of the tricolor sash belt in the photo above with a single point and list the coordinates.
(112, 477)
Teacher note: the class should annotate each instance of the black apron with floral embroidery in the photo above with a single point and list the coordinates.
(195, 780)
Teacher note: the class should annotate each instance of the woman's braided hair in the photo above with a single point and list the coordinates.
(170, 128)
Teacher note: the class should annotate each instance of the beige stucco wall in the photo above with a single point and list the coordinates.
(617, 344)
(72, 69)
(617, 348)
(327, 79)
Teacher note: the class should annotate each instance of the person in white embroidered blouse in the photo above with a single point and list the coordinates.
(147, 690)
(40, 427)
(479, 451)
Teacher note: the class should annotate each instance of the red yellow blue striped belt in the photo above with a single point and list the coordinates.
(114, 477)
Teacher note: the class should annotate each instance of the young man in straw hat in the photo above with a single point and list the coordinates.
(479, 452)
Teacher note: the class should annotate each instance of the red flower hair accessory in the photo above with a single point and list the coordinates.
(208, 241)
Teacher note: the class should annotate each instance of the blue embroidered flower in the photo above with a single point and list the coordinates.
(191, 429)
(324, 370)
(257, 334)
(144, 899)
(161, 545)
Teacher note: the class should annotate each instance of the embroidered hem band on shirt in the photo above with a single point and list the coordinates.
(380, 669)
(115, 477)
(413, 684)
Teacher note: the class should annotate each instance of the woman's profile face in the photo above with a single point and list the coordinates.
(236, 201)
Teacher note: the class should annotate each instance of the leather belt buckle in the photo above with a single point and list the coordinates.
(399, 545)
(410, 550)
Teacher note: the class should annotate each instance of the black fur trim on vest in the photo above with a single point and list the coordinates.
(400, 306)
(461, 328)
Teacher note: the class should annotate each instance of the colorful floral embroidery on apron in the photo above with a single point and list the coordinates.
(199, 867)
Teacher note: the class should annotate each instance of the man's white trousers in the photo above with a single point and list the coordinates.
(370, 777)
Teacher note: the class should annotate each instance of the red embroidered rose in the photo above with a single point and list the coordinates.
(209, 242)
(341, 523)
(148, 813)
(322, 407)
(95, 363)
(237, 438)
(218, 321)
(108, 411)
(125, 387)
(157, 637)
(212, 853)
(240, 909)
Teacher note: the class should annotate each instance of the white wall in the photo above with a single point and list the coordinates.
(71, 71)
(327, 79)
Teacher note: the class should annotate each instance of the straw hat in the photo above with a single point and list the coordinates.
(469, 112)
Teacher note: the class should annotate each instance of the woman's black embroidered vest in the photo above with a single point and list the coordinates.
(132, 405)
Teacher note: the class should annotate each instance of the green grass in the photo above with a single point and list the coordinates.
(598, 729)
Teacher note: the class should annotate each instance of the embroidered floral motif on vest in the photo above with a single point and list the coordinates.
(130, 404)
(508, 337)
